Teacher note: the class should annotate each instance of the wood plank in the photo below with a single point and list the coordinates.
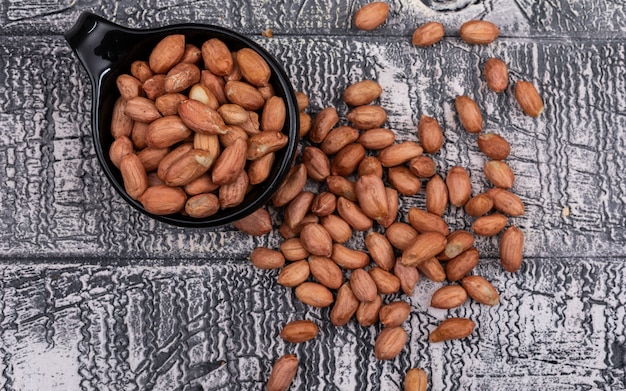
(558, 327)
(516, 18)
(55, 200)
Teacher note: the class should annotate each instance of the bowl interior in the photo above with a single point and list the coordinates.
(139, 49)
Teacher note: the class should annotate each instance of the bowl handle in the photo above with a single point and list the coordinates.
(98, 43)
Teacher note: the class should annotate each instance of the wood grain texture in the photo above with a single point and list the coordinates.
(94, 296)
(516, 18)
(60, 203)
(172, 328)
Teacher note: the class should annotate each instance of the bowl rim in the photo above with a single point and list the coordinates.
(291, 125)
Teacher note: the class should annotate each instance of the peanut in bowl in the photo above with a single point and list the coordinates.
(194, 125)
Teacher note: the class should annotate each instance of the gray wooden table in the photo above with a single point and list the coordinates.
(94, 296)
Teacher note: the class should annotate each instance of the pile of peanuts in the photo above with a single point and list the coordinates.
(361, 171)
(195, 128)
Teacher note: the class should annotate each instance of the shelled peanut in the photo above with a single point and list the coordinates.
(283, 372)
(416, 380)
(370, 16)
(195, 127)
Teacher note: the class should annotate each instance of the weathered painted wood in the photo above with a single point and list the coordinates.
(516, 18)
(558, 327)
(94, 296)
(56, 201)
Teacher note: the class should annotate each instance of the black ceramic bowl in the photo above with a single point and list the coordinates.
(106, 50)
